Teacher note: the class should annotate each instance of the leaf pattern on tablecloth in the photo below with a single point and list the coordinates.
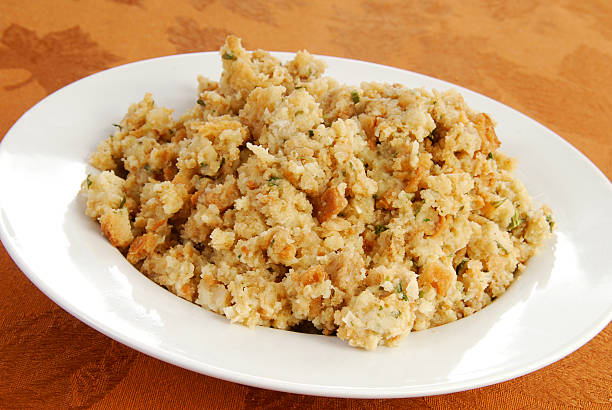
(509, 10)
(596, 65)
(77, 360)
(262, 11)
(129, 2)
(596, 14)
(56, 59)
(261, 399)
(188, 37)
(383, 24)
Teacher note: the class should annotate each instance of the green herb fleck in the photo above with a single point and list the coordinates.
(118, 126)
(229, 55)
(273, 180)
(355, 96)
(342, 215)
(490, 156)
(300, 86)
(461, 266)
(299, 112)
(426, 220)
(401, 292)
(421, 293)
(171, 132)
(515, 221)
(122, 201)
(202, 103)
(89, 180)
(498, 203)
(239, 256)
(435, 102)
(418, 209)
(551, 222)
(147, 167)
(374, 197)
(501, 247)
(202, 164)
(310, 133)
(461, 207)
(378, 229)
(380, 308)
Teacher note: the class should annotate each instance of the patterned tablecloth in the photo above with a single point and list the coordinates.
(550, 60)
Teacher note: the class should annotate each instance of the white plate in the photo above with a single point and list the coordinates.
(559, 303)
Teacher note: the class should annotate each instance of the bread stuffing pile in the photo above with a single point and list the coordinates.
(286, 199)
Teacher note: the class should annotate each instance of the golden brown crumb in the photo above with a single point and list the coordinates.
(283, 196)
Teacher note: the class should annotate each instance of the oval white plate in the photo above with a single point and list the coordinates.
(559, 303)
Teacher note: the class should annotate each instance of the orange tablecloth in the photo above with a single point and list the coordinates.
(552, 61)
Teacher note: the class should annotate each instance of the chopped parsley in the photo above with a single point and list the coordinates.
(490, 156)
(380, 308)
(355, 96)
(421, 293)
(418, 209)
(515, 221)
(171, 132)
(401, 292)
(118, 126)
(229, 55)
(498, 203)
(299, 112)
(200, 102)
(378, 229)
(299, 86)
(122, 201)
(310, 133)
(551, 222)
(89, 180)
(374, 197)
(426, 220)
(501, 247)
(202, 164)
(461, 266)
(273, 180)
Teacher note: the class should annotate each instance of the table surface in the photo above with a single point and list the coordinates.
(551, 61)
